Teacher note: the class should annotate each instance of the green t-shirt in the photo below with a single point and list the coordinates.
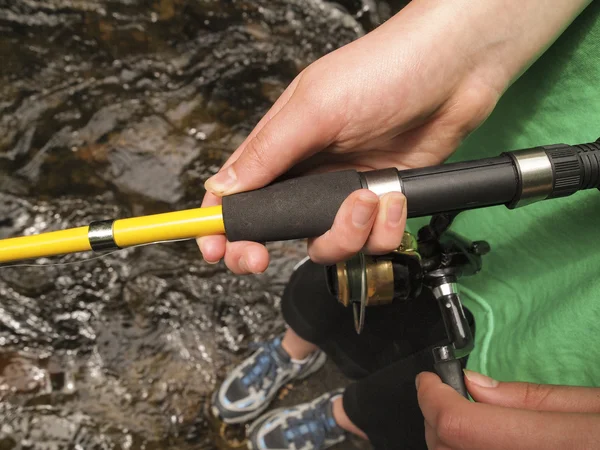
(537, 300)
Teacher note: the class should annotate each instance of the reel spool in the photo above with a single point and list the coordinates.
(366, 280)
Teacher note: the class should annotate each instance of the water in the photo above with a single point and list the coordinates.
(113, 108)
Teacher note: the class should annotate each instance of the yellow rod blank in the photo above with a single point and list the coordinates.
(187, 224)
(45, 244)
(171, 226)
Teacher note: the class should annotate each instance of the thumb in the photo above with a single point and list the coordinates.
(532, 396)
(301, 128)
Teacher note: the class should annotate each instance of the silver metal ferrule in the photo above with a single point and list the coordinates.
(383, 181)
(536, 174)
(443, 353)
(445, 289)
(101, 236)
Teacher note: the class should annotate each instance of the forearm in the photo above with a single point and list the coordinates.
(498, 39)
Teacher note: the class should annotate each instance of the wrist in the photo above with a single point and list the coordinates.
(494, 41)
(512, 35)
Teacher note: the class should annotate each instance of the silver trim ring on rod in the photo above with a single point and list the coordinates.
(445, 289)
(536, 176)
(101, 235)
(383, 181)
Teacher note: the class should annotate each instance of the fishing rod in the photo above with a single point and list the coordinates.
(306, 206)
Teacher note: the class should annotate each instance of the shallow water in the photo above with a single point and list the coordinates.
(125, 107)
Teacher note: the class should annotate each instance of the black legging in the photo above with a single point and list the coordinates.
(385, 358)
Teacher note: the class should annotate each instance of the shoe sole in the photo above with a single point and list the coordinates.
(317, 365)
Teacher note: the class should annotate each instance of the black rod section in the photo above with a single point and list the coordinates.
(306, 207)
(460, 186)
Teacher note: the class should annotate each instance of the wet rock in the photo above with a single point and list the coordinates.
(19, 375)
(145, 159)
(14, 213)
(7, 443)
(111, 108)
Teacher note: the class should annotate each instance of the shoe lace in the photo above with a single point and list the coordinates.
(314, 426)
(266, 363)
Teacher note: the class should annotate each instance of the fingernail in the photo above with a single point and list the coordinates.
(417, 381)
(363, 210)
(208, 261)
(480, 380)
(395, 210)
(200, 245)
(222, 182)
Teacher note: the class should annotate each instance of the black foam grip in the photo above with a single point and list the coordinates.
(291, 209)
(451, 374)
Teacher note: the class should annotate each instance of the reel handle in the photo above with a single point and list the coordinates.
(446, 358)
(449, 369)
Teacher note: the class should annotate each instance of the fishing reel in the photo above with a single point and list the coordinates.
(366, 280)
(434, 260)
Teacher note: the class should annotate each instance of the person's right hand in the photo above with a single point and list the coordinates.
(515, 416)
(403, 96)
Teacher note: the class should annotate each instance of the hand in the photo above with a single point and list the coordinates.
(515, 416)
(404, 95)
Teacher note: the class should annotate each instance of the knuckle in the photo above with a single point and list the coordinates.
(348, 245)
(451, 427)
(535, 395)
(258, 149)
(323, 250)
(345, 239)
(315, 254)
(380, 242)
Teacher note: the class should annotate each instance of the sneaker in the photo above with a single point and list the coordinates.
(307, 426)
(251, 386)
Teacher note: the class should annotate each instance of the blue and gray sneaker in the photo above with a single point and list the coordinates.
(251, 386)
(310, 426)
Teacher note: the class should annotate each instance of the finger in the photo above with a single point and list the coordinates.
(387, 231)
(533, 396)
(350, 229)
(301, 128)
(436, 397)
(246, 257)
(211, 247)
(461, 424)
(430, 437)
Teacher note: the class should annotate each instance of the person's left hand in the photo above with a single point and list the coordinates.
(515, 416)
